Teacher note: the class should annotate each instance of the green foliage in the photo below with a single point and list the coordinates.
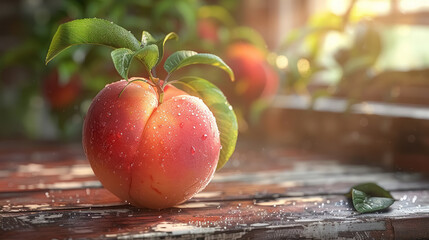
(91, 31)
(147, 38)
(369, 197)
(217, 13)
(122, 58)
(221, 109)
(22, 60)
(182, 59)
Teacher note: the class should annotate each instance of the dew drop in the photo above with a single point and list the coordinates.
(204, 137)
(178, 114)
(181, 124)
(192, 150)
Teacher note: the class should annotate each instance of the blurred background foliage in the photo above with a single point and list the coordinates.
(351, 49)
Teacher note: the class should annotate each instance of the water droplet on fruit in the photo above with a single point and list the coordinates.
(181, 124)
(204, 137)
(178, 114)
(230, 107)
(192, 150)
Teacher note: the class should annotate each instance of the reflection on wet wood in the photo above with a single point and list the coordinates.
(264, 193)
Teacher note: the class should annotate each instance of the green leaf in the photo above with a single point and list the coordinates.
(147, 39)
(123, 57)
(182, 59)
(369, 197)
(161, 44)
(91, 31)
(364, 203)
(221, 109)
(149, 56)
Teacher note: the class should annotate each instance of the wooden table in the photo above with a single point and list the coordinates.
(48, 191)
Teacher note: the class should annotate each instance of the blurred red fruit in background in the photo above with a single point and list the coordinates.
(208, 30)
(60, 95)
(255, 78)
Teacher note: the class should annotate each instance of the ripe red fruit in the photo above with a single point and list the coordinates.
(254, 76)
(61, 95)
(151, 155)
(149, 143)
(208, 30)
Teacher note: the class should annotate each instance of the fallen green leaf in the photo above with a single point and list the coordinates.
(369, 197)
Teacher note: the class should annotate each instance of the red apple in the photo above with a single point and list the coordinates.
(61, 95)
(152, 155)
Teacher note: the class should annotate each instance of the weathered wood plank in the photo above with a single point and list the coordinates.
(67, 190)
(286, 169)
(224, 186)
(49, 191)
(304, 217)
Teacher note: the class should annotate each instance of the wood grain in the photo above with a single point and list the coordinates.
(49, 191)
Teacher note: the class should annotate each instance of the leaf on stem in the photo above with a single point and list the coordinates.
(182, 59)
(221, 109)
(149, 56)
(123, 57)
(91, 31)
(147, 39)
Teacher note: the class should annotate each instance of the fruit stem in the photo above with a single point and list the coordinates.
(161, 98)
(160, 89)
